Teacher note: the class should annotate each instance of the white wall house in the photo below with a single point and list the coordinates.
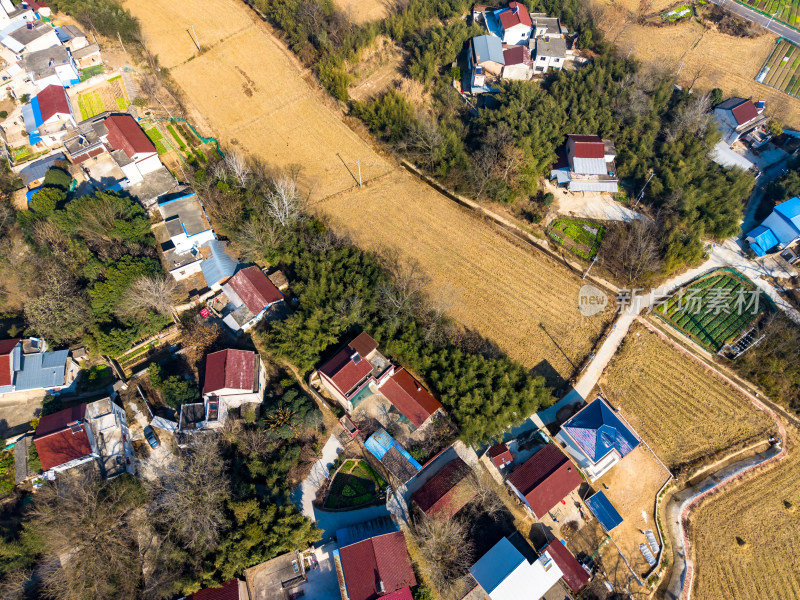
(516, 24)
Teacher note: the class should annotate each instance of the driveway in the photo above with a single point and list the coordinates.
(17, 409)
(322, 583)
(591, 205)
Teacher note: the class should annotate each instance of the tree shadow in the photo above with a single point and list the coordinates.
(551, 376)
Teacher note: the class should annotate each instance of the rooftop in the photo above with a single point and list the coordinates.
(42, 63)
(597, 430)
(517, 55)
(488, 48)
(447, 492)
(52, 100)
(231, 369)
(376, 566)
(25, 35)
(184, 214)
(61, 437)
(410, 397)
(227, 591)
(555, 47)
(392, 455)
(605, 512)
(253, 289)
(515, 14)
(351, 364)
(276, 576)
(575, 576)
(125, 134)
(217, 266)
(545, 479)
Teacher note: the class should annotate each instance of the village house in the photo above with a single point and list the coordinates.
(779, 230)
(359, 370)
(375, 567)
(500, 455)
(247, 298)
(574, 575)
(544, 480)
(485, 62)
(400, 465)
(71, 37)
(27, 365)
(233, 589)
(517, 63)
(88, 56)
(587, 165)
(87, 433)
(112, 151)
(32, 36)
(511, 570)
(447, 492)
(515, 25)
(739, 119)
(544, 26)
(597, 439)
(217, 267)
(51, 66)
(551, 53)
(280, 578)
(40, 9)
(48, 117)
(11, 14)
(186, 223)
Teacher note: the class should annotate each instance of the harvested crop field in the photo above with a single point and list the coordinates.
(683, 411)
(253, 96)
(723, 61)
(746, 537)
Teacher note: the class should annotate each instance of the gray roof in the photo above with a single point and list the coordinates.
(551, 24)
(85, 51)
(188, 209)
(42, 370)
(218, 265)
(276, 577)
(38, 168)
(38, 63)
(72, 31)
(555, 47)
(25, 36)
(488, 48)
(731, 103)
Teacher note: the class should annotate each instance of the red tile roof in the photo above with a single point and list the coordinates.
(447, 492)
(404, 594)
(228, 591)
(126, 135)
(6, 346)
(545, 478)
(574, 574)
(517, 55)
(409, 397)
(343, 371)
(745, 112)
(381, 559)
(255, 289)
(500, 454)
(588, 146)
(52, 101)
(516, 15)
(231, 369)
(57, 442)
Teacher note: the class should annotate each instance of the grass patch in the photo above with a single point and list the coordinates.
(175, 135)
(581, 237)
(90, 104)
(122, 104)
(6, 472)
(90, 72)
(715, 309)
(116, 78)
(95, 378)
(34, 464)
(355, 484)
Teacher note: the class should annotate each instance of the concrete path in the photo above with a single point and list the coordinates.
(597, 206)
(21, 459)
(768, 23)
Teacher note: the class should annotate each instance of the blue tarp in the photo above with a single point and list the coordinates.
(605, 512)
(34, 139)
(380, 442)
(37, 111)
(763, 240)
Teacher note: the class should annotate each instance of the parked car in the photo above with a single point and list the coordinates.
(151, 437)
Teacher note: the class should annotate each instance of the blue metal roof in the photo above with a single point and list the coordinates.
(62, 35)
(363, 531)
(37, 111)
(42, 370)
(488, 47)
(764, 240)
(380, 442)
(790, 211)
(219, 265)
(605, 512)
(598, 431)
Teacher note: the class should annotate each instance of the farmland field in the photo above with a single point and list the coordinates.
(746, 537)
(679, 408)
(251, 94)
(782, 69)
(107, 96)
(718, 60)
(715, 308)
(581, 237)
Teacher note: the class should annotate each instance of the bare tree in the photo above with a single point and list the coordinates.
(693, 117)
(188, 501)
(237, 165)
(199, 337)
(402, 295)
(258, 236)
(283, 202)
(149, 292)
(424, 141)
(486, 493)
(632, 251)
(447, 549)
(56, 309)
(89, 528)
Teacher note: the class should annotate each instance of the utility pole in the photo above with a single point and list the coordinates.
(359, 174)
(119, 37)
(644, 187)
(194, 38)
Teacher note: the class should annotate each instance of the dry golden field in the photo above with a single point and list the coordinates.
(362, 11)
(253, 96)
(746, 537)
(680, 409)
(723, 61)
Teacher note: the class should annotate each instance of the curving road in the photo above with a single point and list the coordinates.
(767, 23)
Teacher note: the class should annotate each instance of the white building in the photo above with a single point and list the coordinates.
(516, 24)
(32, 36)
(551, 53)
(52, 66)
(186, 222)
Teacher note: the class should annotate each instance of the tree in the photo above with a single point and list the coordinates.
(631, 251)
(447, 549)
(238, 166)
(282, 202)
(148, 293)
(175, 389)
(188, 501)
(108, 294)
(199, 337)
(45, 201)
(90, 531)
(58, 312)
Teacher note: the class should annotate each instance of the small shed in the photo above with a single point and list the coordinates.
(500, 455)
(605, 512)
(397, 461)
